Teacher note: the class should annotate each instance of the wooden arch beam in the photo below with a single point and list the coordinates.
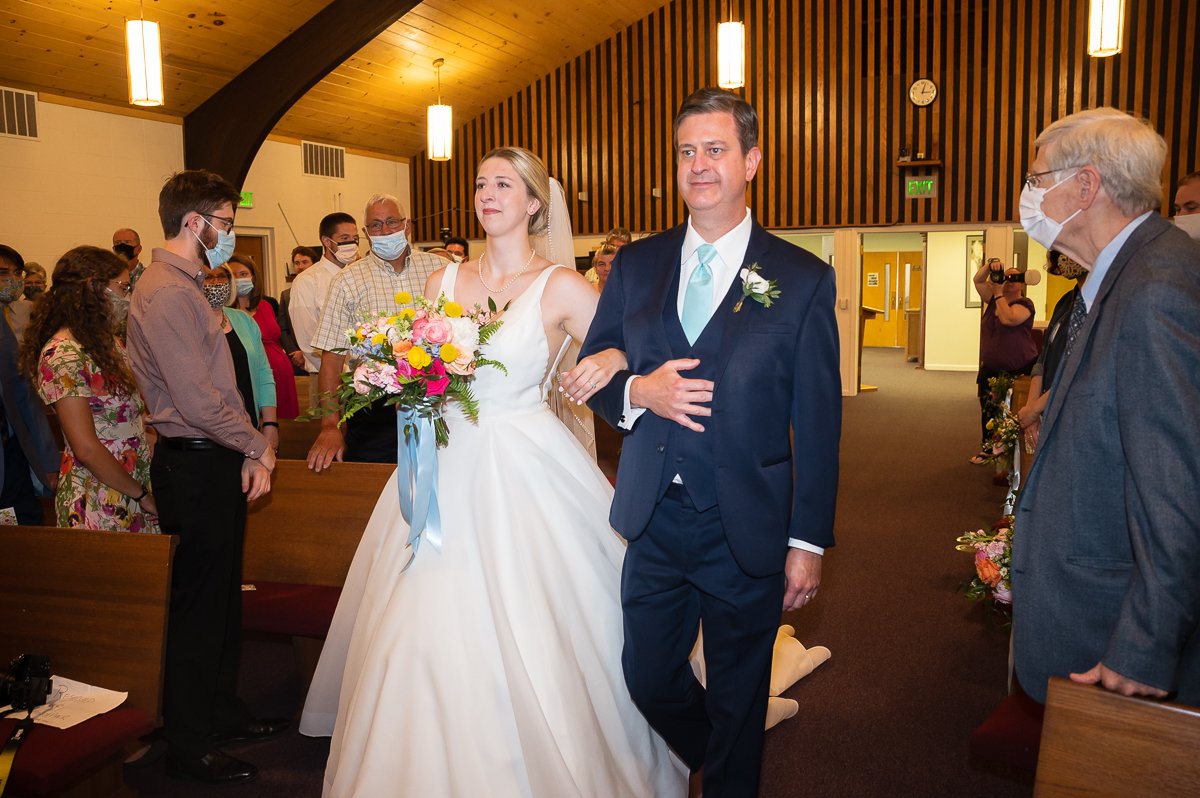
(226, 131)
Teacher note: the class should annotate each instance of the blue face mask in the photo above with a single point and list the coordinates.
(245, 285)
(391, 246)
(220, 254)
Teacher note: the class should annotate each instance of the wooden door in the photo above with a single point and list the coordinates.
(880, 272)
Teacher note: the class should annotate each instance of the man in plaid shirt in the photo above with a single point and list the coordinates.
(367, 287)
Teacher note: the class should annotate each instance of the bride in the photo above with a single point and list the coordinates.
(493, 665)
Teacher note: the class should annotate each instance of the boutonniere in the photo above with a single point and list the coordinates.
(757, 287)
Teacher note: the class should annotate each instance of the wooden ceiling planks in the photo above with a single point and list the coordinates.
(375, 101)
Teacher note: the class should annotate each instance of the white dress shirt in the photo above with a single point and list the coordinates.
(1091, 286)
(731, 253)
(309, 290)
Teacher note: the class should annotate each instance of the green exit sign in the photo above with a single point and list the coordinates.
(920, 187)
(247, 200)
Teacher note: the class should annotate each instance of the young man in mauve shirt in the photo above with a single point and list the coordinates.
(208, 463)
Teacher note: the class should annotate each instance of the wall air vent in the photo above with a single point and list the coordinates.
(18, 113)
(323, 160)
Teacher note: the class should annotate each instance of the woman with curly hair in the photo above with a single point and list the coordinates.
(71, 354)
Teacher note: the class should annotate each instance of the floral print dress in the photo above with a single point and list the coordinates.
(82, 500)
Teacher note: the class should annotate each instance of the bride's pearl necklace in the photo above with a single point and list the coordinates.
(508, 285)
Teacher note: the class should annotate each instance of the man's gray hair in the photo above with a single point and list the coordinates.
(1127, 152)
(376, 199)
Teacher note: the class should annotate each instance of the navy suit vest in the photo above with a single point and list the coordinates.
(690, 454)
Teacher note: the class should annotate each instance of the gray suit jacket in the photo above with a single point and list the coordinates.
(1106, 558)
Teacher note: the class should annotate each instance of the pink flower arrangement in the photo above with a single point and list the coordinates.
(417, 359)
(993, 561)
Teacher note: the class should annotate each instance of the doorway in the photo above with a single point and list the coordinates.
(892, 285)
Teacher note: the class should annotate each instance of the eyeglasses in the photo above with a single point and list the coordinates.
(391, 224)
(1032, 178)
(223, 219)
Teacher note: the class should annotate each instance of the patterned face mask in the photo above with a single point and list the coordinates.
(217, 294)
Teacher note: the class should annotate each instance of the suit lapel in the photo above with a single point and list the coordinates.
(664, 291)
(1143, 235)
(735, 323)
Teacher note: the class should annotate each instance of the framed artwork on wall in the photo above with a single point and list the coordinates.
(974, 261)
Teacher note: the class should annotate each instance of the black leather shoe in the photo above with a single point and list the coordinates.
(259, 729)
(215, 767)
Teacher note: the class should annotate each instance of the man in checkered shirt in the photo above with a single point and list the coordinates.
(366, 287)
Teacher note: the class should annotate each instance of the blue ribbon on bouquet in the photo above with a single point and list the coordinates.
(417, 480)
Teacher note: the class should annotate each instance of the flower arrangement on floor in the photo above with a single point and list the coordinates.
(1002, 424)
(993, 559)
(417, 360)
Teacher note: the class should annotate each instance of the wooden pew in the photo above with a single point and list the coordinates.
(296, 438)
(305, 531)
(96, 604)
(300, 541)
(1095, 742)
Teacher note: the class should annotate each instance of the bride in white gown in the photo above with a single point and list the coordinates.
(493, 666)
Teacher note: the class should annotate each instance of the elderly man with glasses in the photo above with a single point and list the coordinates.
(1107, 545)
(367, 286)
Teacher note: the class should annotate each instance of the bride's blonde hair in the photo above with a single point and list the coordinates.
(533, 174)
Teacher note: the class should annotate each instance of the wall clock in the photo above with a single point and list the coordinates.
(922, 92)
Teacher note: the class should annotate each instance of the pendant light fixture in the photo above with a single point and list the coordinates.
(1106, 26)
(440, 122)
(731, 52)
(144, 56)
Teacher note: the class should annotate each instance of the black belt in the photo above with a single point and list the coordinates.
(188, 444)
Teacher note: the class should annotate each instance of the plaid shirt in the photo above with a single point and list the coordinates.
(368, 287)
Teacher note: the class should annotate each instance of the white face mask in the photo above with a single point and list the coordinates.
(345, 254)
(1190, 224)
(1040, 227)
(389, 247)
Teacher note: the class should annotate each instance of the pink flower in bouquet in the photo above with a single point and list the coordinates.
(1002, 594)
(404, 369)
(436, 331)
(382, 375)
(418, 328)
(362, 385)
(439, 382)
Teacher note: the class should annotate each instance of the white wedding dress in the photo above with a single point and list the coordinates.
(491, 667)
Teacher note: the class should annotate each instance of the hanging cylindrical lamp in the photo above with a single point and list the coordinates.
(440, 120)
(731, 55)
(1106, 26)
(144, 56)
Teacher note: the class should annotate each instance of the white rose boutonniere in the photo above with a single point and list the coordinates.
(757, 287)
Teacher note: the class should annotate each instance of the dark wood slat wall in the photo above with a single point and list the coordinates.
(830, 82)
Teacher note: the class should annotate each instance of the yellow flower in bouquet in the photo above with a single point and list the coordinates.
(403, 298)
(418, 358)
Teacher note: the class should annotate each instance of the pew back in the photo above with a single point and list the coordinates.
(1095, 742)
(94, 602)
(306, 530)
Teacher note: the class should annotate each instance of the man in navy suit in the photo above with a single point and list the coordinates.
(1106, 558)
(731, 406)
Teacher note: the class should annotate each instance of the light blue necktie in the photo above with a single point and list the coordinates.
(697, 302)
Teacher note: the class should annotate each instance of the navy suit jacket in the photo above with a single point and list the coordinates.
(1106, 553)
(777, 373)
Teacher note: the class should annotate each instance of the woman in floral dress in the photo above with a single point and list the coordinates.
(72, 355)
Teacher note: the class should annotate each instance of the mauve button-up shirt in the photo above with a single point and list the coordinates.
(182, 361)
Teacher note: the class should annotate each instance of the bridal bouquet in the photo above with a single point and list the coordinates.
(993, 560)
(417, 360)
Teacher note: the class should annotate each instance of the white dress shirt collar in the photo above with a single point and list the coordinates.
(731, 252)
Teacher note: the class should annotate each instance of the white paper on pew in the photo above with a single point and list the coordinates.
(72, 702)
